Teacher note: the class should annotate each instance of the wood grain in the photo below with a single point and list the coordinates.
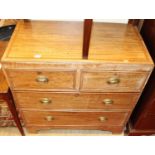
(98, 81)
(38, 118)
(81, 65)
(27, 80)
(75, 101)
(46, 40)
(52, 40)
(75, 85)
(3, 45)
(117, 43)
(3, 83)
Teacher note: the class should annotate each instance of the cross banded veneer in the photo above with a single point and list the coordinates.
(55, 88)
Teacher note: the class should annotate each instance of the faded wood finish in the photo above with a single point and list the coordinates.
(75, 101)
(117, 43)
(52, 41)
(31, 80)
(3, 45)
(76, 87)
(40, 118)
(78, 64)
(3, 84)
(100, 81)
(46, 40)
(66, 80)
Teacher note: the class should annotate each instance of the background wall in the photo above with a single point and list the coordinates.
(125, 21)
(112, 20)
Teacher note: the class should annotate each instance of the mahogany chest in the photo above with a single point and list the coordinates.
(55, 88)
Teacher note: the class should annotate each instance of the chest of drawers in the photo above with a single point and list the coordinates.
(54, 88)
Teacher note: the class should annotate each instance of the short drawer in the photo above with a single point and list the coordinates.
(48, 80)
(113, 81)
(47, 118)
(46, 100)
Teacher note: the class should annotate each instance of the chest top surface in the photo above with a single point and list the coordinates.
(36, 41)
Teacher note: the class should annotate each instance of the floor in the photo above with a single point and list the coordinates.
(12, 131)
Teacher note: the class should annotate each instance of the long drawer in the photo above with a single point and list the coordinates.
(42, 80)
(47, 118)
(114, 81)
(46, 100)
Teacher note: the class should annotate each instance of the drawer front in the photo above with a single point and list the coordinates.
(66, 101)
(49, 80)
(113, 81)
(47, 118)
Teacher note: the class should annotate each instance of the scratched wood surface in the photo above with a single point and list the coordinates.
(58, 40)
(116, 54)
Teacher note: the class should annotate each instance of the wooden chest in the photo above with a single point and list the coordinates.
(54, 87)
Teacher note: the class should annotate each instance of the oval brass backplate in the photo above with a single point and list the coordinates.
(49, 118)
(113, 80)
(45, 101)
(108, 101)
(103, 118)
(42, 79)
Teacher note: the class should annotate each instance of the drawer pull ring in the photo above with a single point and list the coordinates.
(49, 118)
(45, 101)
(113, 80)
(103, 119)
(108, 101)
(42, 79)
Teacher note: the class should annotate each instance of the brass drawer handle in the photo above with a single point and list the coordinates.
(108, 101)
(42, 79)
(49, 118)
(45, 101)
(113, 80)
(103, 119)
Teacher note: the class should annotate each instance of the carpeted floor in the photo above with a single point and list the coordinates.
(12, 131)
